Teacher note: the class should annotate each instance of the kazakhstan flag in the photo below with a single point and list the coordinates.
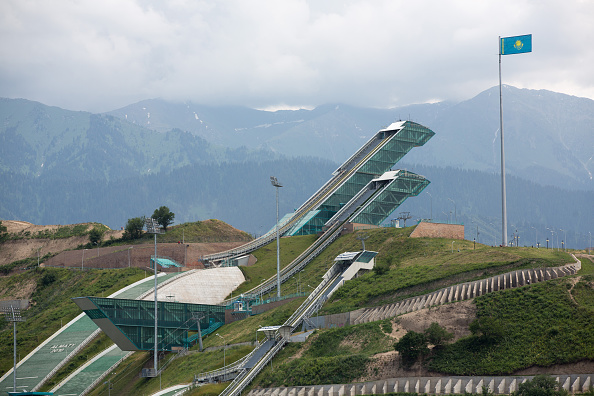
(515, 45)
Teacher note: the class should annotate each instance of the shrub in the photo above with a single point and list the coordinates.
(541, 385)
(412, 347)
(437, 335)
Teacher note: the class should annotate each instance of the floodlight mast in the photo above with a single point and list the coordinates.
(13, 314)
(152, 228)
(277, 184)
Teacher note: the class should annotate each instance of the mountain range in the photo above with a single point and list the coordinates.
(59, 166)
(549, 136)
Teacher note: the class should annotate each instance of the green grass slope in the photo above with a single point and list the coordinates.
(51, 307)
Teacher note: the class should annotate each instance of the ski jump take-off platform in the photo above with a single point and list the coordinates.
(367, 169)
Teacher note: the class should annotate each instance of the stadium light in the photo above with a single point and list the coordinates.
(277, 184)
(13, 314)
(153, 228)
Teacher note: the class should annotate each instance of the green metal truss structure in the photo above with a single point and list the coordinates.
(404, 185)
(394, 143)
(131, 324)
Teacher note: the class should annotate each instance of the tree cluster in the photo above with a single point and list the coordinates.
(414, 346)
(133, 230)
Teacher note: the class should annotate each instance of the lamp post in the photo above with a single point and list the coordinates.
(455, 213)
(130, 247)
(277, 184)
(431, 213)
(552, 239)
(224, 357)
(535, 236)
(446, 215)
(152, 228)
(13, 314)
(590, 244)
(564, 237)
(453, 246)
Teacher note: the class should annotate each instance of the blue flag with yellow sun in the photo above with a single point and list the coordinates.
(515, 45)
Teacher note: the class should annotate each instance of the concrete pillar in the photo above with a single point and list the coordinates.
(292, 391)
(458, 386)
(437, 389)
(301, 391)
(575, 387)
(450, 297)
(501, 389)
(392, 310)
(447, 389)
(311, 391)
(442, 296)
(513, 385)
(361, 318)
(396, 388)
(275, 392)
(479, 386)
(566, 384)
(587, 383)
(418, 303)
(462, 294)
(417, 385)
(404, 307)
(491, 386)
(406, 386)
(283, 392)
(374, 388)
(427, 386)
(469, 386)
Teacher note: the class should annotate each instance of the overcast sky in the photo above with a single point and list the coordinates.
(102, 55)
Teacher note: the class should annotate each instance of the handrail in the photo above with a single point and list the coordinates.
(226, 369)
(331, 185)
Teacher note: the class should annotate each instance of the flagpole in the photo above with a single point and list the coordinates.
(503, 199)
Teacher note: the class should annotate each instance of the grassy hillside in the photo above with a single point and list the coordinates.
(539, 325)
(212, 230)
(415, 266)
(50, 292)
(554, 323)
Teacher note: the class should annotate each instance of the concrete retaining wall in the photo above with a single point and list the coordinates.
(430, 385)
(464, 291)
